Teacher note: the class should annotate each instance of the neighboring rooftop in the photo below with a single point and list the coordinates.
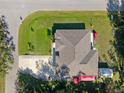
(73, 48)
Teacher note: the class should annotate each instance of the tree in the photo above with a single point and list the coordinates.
(27, 83)
(30, 47)
(6, 47)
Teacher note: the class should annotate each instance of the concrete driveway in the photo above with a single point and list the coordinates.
(40, 66)
(13, 9)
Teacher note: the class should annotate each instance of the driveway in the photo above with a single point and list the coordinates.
(13, 9)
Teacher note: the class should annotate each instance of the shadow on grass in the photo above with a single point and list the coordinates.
(49, 32)
(103, 65)
(67, 26)
(119, 45)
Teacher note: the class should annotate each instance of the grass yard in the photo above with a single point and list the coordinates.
(116, 76)
(2, 85)
(34, 29)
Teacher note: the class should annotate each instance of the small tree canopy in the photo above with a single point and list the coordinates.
(6, 47)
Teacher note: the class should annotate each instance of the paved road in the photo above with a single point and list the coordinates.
(54, 4)
(13, 9)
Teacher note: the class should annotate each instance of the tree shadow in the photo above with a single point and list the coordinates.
(28, 83)
(103, 65)
(119, 37)
(47, 72)
(50, 35)
(117, 21)
(49, 32)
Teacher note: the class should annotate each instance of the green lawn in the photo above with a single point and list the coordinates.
(2, 85)
(116, 76)
(42, 21)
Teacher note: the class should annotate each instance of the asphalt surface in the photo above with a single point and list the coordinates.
(54, 4)
(13, 9)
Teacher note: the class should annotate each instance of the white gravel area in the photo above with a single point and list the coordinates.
(34, 63)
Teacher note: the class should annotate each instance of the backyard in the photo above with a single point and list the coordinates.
(34, 38)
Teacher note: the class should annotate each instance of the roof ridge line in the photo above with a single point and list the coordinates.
(76, 44)
(82, 37)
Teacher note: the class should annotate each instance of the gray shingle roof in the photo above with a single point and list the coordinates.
(87, 57)
(74, 49)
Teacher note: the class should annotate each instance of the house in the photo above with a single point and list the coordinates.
(74, 49)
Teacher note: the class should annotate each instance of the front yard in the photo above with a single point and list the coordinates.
(34, 38)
